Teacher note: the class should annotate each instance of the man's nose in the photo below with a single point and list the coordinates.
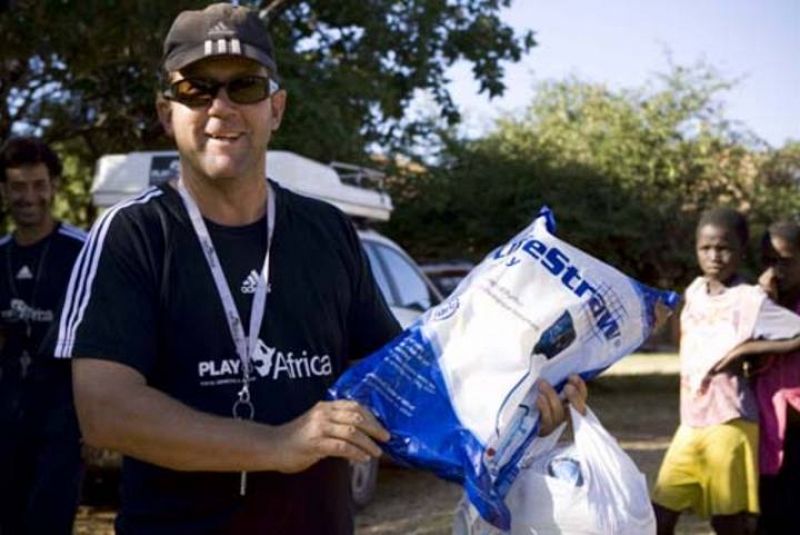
(221, 105)
(27, 194)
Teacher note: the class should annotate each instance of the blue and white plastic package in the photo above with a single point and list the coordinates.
(456, 390)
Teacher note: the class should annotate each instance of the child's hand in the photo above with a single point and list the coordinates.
(732, 363)
(769, 283)
(552, 410)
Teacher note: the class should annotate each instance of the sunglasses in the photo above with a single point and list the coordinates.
(197, 92)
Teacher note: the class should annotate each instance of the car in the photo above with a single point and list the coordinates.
(406, 288)
(356, 190)
(447, 275)
(408, 292)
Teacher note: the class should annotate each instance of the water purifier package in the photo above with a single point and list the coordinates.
(457, 389)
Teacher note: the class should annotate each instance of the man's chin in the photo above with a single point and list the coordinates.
(221, 175)
(27, 220)
(222, 168)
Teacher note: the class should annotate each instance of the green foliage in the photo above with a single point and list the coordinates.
(627, 173)
(83, 73)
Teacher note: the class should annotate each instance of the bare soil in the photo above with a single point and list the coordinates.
(637, 401)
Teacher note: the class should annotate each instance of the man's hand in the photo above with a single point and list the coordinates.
(552, 409)
(339, 428)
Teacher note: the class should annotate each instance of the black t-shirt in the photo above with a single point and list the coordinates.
(33, 279)
(143, 295)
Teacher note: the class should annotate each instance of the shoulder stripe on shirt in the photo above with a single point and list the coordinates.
(5, 239)
(72, 232)
(83, 273)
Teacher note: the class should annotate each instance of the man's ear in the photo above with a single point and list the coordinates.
(278, 103)
(164, 109)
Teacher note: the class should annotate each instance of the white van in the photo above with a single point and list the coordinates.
(357, 191)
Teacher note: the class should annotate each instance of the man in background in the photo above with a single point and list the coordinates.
(40, 468)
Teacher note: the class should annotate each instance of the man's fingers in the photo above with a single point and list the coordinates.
(351, 413)
(332, 447)
(354, 436)
(333, 429)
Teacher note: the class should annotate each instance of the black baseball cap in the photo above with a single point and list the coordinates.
(218, 30)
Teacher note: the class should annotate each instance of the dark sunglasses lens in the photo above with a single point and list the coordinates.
(198, 92)
(193, 92)
(248, 89)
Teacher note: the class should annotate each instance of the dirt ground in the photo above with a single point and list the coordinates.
(637, 401)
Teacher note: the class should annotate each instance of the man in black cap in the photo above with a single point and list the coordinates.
(40, 464)
(208, 316)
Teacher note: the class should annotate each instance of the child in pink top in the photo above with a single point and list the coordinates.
(777, 388)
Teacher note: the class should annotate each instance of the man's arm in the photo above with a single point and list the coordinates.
(118, 410)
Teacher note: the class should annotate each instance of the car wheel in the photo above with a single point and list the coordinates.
(363, 480)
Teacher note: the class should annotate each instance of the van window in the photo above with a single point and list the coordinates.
(378, 272)
(412, 292)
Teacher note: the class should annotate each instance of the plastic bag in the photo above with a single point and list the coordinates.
(455, 390)
(608, 496)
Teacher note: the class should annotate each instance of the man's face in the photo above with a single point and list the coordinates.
(784, 259)
(28, 192)
(718, 252)
(222, 140)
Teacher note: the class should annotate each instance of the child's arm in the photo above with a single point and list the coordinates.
(755, 348)
(769, 283)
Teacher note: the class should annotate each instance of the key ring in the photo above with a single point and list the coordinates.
(244, 405)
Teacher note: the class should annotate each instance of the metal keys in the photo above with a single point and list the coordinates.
(243, 410)
(243, 483)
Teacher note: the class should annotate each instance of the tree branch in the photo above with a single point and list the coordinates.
(270, 8)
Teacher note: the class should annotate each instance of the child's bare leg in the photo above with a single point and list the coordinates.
(738, 524)
(665, 519)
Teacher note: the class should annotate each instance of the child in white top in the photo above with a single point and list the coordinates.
(711, 466)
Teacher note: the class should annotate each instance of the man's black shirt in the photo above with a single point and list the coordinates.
(32, 283)
(142, 295)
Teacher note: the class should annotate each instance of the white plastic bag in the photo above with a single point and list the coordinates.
(609, 497)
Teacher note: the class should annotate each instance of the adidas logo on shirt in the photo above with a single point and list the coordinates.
(24, 273)
(250, 284)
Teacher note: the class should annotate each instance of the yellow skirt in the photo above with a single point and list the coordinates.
(711, 470)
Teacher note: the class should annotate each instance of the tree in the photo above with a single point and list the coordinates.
(627, 173)
(83, 73)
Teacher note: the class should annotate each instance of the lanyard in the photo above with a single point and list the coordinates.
(245, 344)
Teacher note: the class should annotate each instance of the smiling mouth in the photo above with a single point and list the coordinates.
(224, 137)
